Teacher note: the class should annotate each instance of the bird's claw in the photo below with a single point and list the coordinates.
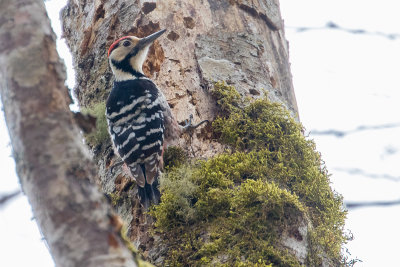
(189, 124)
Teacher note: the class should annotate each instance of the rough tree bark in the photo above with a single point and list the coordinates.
(241, 42)
(55, 169)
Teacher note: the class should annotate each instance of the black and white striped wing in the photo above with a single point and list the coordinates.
(136, 124)
(140, 144)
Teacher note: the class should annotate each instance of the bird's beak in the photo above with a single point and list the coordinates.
(149, 39)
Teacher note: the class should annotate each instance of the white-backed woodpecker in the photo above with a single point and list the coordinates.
(138, 115)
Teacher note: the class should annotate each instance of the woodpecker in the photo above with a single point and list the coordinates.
(138, 115)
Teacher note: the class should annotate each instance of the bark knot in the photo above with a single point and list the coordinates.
(188, 22)
(173, 36)
(148, 7)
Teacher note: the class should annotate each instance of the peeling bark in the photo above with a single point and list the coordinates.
(55, 169)
(239, 41)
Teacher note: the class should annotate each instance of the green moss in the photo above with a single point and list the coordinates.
(243, 220)
(115, 198)
(259, 125)
(231, 210)
(100, 135)
(174, 156)
(228, 99)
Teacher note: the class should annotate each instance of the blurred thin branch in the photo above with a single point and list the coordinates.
(340, 134)
(6, 197)
(354, 205)
(333, 26)
(357, 171)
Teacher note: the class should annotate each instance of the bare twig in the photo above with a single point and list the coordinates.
(333, 26)
(354, 205)
(340, 134)
(7, 197)
(357, 171)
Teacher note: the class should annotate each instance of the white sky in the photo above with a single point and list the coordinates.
(341, 81)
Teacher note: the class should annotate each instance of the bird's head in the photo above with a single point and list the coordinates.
(127, 55)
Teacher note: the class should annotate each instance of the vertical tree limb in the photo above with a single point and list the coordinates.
(55, 169)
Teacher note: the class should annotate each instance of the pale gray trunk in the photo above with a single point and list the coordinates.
(241, 42)
(55, 169)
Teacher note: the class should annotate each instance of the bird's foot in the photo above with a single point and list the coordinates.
(189, 124)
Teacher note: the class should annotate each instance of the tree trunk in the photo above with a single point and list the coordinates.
(240, 42)
(55, 169)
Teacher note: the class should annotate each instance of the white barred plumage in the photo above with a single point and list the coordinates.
(136, 112)
(136, 125)
(139, 118)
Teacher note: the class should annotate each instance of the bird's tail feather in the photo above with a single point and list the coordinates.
(149, 194)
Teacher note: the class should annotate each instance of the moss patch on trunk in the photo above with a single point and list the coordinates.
(100, 135)
(232, 209)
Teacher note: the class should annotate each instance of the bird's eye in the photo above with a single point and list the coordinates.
(127, 43)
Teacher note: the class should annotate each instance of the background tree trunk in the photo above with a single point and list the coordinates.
(240, 42)
(54, 166)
